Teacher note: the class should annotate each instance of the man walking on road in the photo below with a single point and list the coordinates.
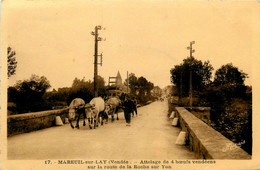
(128, 108)
(134, 101)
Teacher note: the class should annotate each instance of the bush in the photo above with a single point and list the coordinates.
(231, 116)
(214, 98)
(83, 93)
(236, 123)
(27, 94)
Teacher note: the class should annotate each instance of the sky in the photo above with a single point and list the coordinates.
(147, 38)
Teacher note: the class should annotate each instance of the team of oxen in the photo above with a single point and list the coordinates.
(96, 111)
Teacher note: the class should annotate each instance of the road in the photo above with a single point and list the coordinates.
(150, 136)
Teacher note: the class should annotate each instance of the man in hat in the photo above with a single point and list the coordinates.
(127, 106)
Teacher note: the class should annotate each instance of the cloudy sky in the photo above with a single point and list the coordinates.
(53, 38)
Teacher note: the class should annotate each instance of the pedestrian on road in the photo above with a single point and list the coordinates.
(127, 106)
(134, 106)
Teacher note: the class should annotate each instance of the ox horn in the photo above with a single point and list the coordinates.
(71, 107)
(88, 106)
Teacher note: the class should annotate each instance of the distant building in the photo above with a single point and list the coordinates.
(119, 82)
(116, 86)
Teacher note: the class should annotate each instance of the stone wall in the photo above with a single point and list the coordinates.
(206, 142)
(22, 123)
(203, 113)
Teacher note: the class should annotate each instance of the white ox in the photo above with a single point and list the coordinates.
(77, 105)
(114, 104)
(95, 109)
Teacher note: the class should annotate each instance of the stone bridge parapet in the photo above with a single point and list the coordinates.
(27, 122)
(205, 141)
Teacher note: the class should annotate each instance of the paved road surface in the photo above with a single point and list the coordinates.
(150, 136)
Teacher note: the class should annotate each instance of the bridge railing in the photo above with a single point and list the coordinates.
(22, 123)
(205, 141)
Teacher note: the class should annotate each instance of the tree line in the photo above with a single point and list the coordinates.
(227, 95)
(32, 94)
(140, 88)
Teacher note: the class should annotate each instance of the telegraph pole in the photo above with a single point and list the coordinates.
(191, 51)
(96, 57)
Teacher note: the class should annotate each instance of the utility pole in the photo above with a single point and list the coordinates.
(96, 57)
(191, 51)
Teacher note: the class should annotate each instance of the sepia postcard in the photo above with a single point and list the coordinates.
(149, 84)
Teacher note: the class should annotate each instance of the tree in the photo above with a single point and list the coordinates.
(149, 87)
(35, 84)
(85, 89)
(81, 89)
(78, 84)
(11, 62)
(229, 75)
(231, 105)
(27, 94)
(170, 90)
(201, 74)
(236, 123)
(230, 80)
(144, 88)
(83, 93)
(142, 83)
(101, 86)
(132, 82)
(140, 87)
(57, 97)
(157, 91)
